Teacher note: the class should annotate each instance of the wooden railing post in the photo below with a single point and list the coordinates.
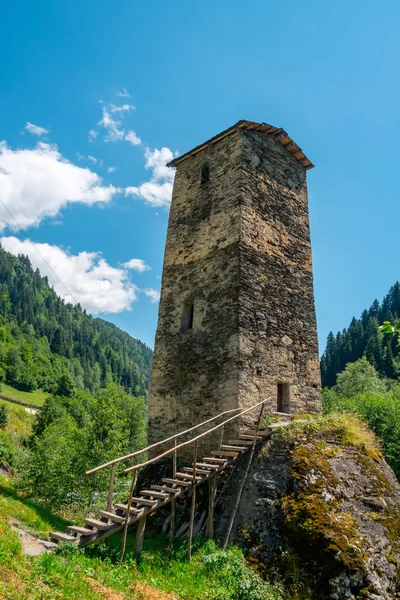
(140, 535)
(193, 505)
(212, 484)
(173, 504)
(111, 488)
(128, 515)
(240, 491)
(222, 436)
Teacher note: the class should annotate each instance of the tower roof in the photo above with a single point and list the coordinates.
(277, 133)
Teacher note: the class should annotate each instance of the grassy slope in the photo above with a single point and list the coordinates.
(36, 397)
(73, 575)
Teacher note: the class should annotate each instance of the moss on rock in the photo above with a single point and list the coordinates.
(321, 510)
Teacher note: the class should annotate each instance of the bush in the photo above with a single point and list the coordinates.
(381, 412)
(3, 416)
(74, 434)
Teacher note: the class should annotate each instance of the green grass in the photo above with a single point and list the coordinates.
(19, 420)
(32, 517)
(346, 428)
(74, 574)
(36, 397)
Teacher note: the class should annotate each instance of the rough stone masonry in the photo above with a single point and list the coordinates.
(236, 320)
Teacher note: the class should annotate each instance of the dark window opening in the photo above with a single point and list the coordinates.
(188, 316)
(205, 174)
(283, 400)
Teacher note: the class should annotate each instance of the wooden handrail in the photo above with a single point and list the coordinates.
(169, 439)
(198, 437)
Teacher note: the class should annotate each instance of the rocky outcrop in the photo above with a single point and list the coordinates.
(320, 509)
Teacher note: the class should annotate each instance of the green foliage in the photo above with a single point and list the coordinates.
(45, 343)
(73, 574)
(365, 337)
(66, 386)
(7, 448)
(3, 416)
(360, 391)
(347, 429)
(73, 434)
(359, 377)
(382, 414)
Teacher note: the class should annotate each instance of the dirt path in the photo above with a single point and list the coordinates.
(31, 545)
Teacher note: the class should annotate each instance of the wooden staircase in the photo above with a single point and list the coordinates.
(118, 517)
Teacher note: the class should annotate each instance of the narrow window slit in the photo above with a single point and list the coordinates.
(188, 316)
(205, 174)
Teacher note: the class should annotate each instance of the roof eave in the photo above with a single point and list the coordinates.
(277, 133)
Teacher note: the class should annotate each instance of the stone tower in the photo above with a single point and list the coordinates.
(236, 321)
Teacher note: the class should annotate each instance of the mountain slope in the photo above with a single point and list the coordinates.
(43, 338)
(363, 338)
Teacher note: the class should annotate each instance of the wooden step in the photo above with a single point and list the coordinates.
(199, 471)
(153, 494)
(233, 448)
(220, 461)
(207, 465)
(261, 432)
(79, 530)
(124, 507)
(95, 523)
(246, 443)
(224, 453)
(187, 476)
(112, 516)
(62, 537)
(243, 436)
(144, 501)
(166, 489)
(176, 481)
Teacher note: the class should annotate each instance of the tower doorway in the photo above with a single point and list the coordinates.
(283, 397)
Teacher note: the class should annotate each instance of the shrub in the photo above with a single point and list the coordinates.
(3, 416)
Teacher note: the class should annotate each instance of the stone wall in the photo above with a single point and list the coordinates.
(238, 249)
(278, 331)
(194, 373)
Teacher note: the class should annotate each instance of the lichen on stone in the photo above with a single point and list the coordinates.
(322, 511)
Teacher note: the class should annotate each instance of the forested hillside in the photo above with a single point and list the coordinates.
(44, 341)
(362, 337)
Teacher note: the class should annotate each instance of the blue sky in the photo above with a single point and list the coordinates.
(326, 72)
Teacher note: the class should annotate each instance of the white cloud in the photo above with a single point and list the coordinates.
(136, 264)
(91, 281)
(154, 295)
(93, 133)
(112, 126)
(92, 159)
(124, 94)
(156, 161)
(111, 123)
(38, 183)
(122, 109)
(133, 138)
(154, 193)
(35, 129)
(111, 169)
(158, 190)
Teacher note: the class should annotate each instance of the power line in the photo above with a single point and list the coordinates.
(37, 250)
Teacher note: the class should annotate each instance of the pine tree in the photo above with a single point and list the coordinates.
(362, 338)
